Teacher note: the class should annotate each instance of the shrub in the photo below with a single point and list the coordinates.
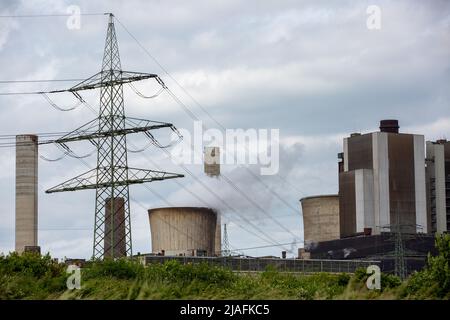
(434, 280)
(30, 275)
(343, 279)
(31, 264)
(173, 271)
(119, 269)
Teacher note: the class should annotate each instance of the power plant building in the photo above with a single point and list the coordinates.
(185, 231)
(438, 185)
(391, 200)
(26, 228)
(382, 182)
(320, 218)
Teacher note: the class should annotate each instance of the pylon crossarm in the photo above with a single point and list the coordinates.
(85, 180)
(145, 175)
(108, 78)
(89, 131)
(88, 180)
(119, 132)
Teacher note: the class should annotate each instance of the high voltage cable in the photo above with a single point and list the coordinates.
(220, 199)
(40, 80)
(269, 246)
(199, 105)
(213, 193)
(207, 205)
(233, 210)
(187, 109)
(238, 190)
(217, 197)
(50, 15)
(181, 231)
(227, 180)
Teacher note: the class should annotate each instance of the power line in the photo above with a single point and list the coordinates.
(227, 180)
(159, 196)
(194, 117)
(269, 246)
(271, 240)
(41, 134)
(48, 15)
(234, 186)
(191, 97)
(40, 80)
(178, 100)
(170, 204)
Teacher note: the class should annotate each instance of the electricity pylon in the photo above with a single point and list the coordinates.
(400, 263)
(226, 244)
(112, 176)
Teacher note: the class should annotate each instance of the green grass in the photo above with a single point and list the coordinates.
(30, 276)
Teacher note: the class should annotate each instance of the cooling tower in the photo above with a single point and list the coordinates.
(26, 191)
(116, 223)
(320, 218)
(189, 231)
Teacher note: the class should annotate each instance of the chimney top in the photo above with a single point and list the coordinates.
(389, 125)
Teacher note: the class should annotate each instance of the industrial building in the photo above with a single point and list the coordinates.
(382, 182)
(320, 218)
(438, 185)
(184, 231)
(381, 247)
(391, 201)
(26, 229)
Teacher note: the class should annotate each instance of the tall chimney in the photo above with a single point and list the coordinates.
(26, 191)
(390, 125)
(212, 161)
(114, 242)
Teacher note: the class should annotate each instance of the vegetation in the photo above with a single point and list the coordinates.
(30, 276)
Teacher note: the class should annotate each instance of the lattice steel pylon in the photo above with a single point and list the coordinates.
(112, 176)
(226, 244)
(399, 264)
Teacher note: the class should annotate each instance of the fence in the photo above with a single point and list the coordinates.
(239, 264)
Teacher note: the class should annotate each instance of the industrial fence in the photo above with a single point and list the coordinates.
(239, 264)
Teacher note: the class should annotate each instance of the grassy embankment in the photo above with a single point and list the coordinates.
(33, 277)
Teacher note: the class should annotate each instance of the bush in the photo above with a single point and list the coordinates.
(360, 275)
(434, 280)
(30, 276)
(343, 279)
(30, 264)
(119, 269)
(173, 271)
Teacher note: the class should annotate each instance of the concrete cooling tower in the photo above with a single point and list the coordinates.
(186, 231)
(320, 218)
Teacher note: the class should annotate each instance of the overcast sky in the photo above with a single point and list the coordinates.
(309, 68)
